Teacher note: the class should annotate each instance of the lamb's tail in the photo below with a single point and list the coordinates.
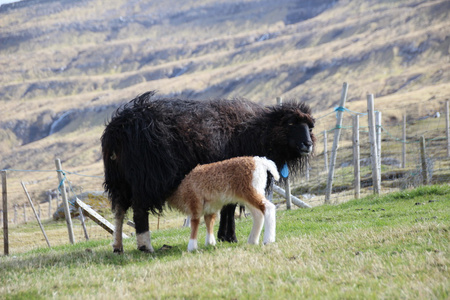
(270, 166)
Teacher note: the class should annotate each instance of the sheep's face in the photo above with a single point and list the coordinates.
(300, 137)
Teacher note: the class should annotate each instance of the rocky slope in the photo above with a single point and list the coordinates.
(65, 65)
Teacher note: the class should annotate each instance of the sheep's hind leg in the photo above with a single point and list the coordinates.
(119, 215)
(209, 221)
(194, 231)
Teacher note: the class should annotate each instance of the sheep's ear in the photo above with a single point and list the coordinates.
(288, 120)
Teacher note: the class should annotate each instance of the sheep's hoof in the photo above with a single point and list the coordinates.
(118, 250)
(145, 249)
(229, 239)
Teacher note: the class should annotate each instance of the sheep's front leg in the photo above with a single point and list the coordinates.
(140, 218)
(209, 221)
(194, 231)
(227, 231)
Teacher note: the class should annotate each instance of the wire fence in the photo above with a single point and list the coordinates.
(44, 189)
(401, 168)
(401, 162)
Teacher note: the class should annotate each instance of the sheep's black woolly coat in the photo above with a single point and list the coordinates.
(151, 144)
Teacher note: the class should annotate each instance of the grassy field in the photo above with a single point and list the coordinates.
(394, 246)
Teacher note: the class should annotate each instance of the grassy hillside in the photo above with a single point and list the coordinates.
(390, 247)
(65, 65)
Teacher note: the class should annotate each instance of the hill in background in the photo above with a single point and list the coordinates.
(66, 65)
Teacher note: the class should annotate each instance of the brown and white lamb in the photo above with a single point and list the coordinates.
(207, 188)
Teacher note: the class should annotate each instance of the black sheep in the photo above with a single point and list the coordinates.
(151, 144)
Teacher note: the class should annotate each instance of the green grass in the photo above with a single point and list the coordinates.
(394, 246)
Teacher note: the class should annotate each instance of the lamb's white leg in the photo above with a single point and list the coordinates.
(144, 242)
(258, 220)
(192, 245)
(209, 221)
(269, 222)
(210, 239)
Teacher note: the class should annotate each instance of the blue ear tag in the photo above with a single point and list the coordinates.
(285, 171)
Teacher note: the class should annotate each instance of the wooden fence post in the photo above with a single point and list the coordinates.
(337, 134)
(404, 143)
(325, 150)
(307, 171)
(25, 219)
(15, 214)
(35, 214)
(62, 185)
(378, 132)
(447, 128)
(356, 156)
(424, 160)
(288, 194)
(5, 214)
(49, 204)
(373, 144)
(287, 184)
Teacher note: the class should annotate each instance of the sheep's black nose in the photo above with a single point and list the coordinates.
(306, 147)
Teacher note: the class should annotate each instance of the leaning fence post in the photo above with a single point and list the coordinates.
(35, 213)
(424, 160)
(62, 185)
(404, 143)
(5, 214)
(83, 224)
(447, 128)
(337, 134)
(373, 144)
(356, 156)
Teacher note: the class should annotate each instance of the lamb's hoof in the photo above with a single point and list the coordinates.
(145, 249)
(118, 250)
